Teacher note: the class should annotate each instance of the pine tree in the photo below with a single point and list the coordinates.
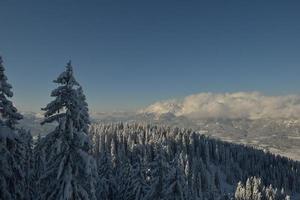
(38, 165)
(240, 193)
(254, 190)
(70, 168)
(138, 187)
(12, 176)
(9, 113)
(176, 188)
(26, 150)
(83, 119)
(159, 167)
(106, 183)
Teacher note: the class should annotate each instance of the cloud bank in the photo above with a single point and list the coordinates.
(251, 105)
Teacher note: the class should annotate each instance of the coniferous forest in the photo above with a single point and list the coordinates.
(79, 160)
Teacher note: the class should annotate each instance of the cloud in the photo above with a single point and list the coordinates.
(251, 105)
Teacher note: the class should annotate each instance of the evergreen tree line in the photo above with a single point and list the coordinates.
(255, 190)
(77, 161)
(137, 161)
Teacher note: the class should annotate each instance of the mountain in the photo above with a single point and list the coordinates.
(268, 122)
(271, 123)
(280, 136)
(249, 105)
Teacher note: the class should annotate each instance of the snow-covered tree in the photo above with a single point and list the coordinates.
(12, 178)
(38, 165)
(138, 187)
(159, 168)
(27, 160)
(12, 153)
(106, 183)
(255, 190)
(176, 188)
(240, 192)
(83, 119)
(70, 169)
(167, 163)
(9, 113)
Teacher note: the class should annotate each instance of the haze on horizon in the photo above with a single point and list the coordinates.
(130, 54)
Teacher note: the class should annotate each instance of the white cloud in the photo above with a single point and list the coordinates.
(252, 105)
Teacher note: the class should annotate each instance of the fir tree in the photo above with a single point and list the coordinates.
(12, 154)
(176, 187)
(26, 150)
(12, 176)
(70, 168)
(254, 190)
(159, 167)
(138, 187)
(83, 119)
(38, 165)
(9, 113)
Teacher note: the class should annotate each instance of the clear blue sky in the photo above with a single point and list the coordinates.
(128, 54)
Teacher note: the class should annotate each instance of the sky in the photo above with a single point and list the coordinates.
(129, 54)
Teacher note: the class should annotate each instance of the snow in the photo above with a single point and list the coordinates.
(249, 105)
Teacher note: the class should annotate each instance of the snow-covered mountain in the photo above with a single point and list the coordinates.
(169, 106)
(251, 105)
(268, 122)
(280, 136)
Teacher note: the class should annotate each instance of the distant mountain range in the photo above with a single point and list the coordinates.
(267, 122)
(281, 136)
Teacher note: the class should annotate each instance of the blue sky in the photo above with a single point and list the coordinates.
(128, 54)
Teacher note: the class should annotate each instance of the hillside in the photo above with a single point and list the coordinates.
(280, 136)
(162, 161)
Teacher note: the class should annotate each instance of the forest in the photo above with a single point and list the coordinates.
(80, 160)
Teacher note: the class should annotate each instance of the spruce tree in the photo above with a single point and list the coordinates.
(138, 187)
(38, 165)
(70, 169)
(26, 150)
(11, 149)
(255, 190)
(159, 167)
(176, 188)
(9, 114)
(83, 120)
